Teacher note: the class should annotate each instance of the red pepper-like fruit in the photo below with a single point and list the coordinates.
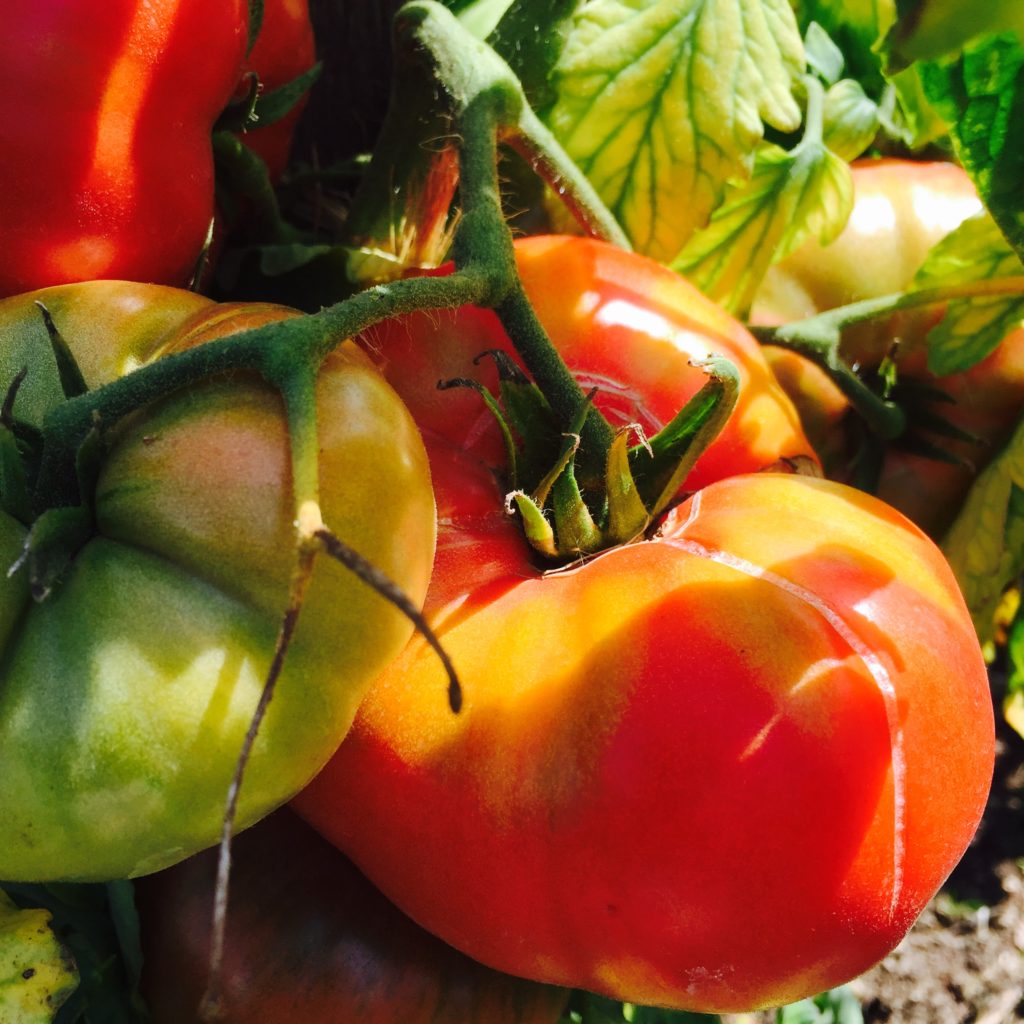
(106, 167)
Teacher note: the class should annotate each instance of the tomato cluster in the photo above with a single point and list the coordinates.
(634, 785)
(719, 767)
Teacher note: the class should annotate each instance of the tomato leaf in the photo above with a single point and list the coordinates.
(850, 119)
(37, 975)
(971, 328)
(1013, 704)
(985, 545)
(661, 102)
(856, 26)
(928, 29)
(823, 56)
(791, 196)
(981, 98)
(530, 36)
(92, 922)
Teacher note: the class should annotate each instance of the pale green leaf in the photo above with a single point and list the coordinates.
(855, 26)
(971, 328)
(985, 545)
(36, 973)
(916, 122)
(792, 196)
(823, 56)
(850, 119)
(661, 102)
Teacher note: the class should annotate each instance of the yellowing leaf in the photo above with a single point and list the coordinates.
(985, 545)
(1013, 711)
(661, 102)
(36, 974)
(791, 196)
(971, 328)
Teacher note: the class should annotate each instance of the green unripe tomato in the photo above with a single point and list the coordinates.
(126, 694)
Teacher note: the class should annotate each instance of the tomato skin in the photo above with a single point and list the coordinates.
(622, 323)
(697, 771)
(901, 209)
(105, 156)
(126, 694)
(284, 49)
(678, 771)
(310, 941)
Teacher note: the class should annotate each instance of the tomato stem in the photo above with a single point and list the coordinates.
(818, 339)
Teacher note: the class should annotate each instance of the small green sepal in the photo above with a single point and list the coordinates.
(575, 528)
(71, 380)
(51, 545)
(628, 516)
(678, 445)
(538, 530)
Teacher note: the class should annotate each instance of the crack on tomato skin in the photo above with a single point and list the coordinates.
(878, 673)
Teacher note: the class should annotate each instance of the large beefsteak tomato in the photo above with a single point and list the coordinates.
(125, 694)
(718, 769)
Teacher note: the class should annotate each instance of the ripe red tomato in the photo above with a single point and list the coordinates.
(310, 941)
(720, 769)
(106, 166)
(622, 323)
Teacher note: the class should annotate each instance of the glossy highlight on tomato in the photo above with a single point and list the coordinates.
(127, 692)
(623, 324)
(719, 770)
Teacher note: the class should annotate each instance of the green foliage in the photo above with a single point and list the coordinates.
(838, 1006)
(791, 196)
(985, 545)
(37, 975)
(981, 97)
(662, 102)
(928, 29)
(970, 329)
(99, 926)
(587, 1008)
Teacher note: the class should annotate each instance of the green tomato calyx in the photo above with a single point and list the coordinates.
(564, 518)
